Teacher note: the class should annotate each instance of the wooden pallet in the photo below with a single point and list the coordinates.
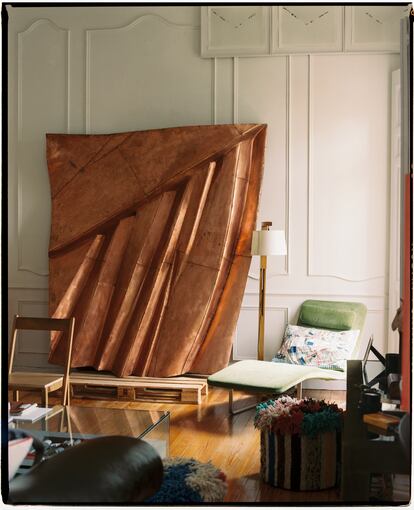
(151, 389)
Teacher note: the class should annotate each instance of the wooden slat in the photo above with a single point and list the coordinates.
(191, 395)
(181, 379)
(22, 380)
(123, 382)
(42, 324)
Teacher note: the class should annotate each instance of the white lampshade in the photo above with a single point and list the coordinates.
(268, 242)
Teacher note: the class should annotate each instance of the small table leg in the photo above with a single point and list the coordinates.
(45, 399)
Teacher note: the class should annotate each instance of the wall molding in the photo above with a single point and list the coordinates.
(310, 272)
(260, 43)
(344, 43)
(337, 11)
(235, 90)
(287, 165)
(20, 37)
(250, 308)
(124, 28)
(286, 272)
(21, 266)
(350, 45)
(34, 288)
(319, 294)
(214, 91)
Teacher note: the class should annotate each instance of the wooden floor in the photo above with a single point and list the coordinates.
(208, 433)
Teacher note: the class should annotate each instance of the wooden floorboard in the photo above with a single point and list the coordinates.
(207, 432)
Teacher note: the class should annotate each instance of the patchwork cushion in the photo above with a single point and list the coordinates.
(317, 347)
(268, 377)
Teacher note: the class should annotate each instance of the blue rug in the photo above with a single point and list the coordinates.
(190, 481)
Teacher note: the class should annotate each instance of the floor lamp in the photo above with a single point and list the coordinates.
(265, 242)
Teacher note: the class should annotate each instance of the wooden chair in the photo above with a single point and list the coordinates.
(37, 380)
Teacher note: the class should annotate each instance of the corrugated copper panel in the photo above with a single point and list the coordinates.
(154, 229)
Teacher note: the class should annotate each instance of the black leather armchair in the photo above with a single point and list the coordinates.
(110, 469)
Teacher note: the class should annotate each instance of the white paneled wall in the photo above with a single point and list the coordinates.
(327, 170)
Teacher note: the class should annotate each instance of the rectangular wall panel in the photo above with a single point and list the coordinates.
(40, 94)
(247, 332)
(223, 94)
(349, 166)
(147, 74)
(261, 95)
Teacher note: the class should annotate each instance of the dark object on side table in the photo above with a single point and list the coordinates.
(370, 401)
(393, 386)
(111, 469)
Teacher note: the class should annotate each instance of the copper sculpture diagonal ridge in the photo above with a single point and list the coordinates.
(150, 245)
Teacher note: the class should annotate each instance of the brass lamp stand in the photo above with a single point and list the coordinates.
(265, 242)
(262, 292)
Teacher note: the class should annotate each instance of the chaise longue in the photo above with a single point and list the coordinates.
(273, 379)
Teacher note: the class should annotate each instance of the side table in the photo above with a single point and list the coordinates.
(361, 455)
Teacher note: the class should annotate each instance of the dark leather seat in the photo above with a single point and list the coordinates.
(110, 469)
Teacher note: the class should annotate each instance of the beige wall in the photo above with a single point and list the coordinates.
(327, 172)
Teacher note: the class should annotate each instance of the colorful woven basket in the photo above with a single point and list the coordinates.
(300, 443)
(298, 462)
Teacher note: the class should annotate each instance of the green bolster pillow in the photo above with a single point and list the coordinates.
(326, 317)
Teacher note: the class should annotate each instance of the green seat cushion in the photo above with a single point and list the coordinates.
(268, 377)
(337, 315)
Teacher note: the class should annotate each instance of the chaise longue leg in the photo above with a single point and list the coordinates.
(234, 411)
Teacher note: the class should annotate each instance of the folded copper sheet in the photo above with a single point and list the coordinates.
(150, 245)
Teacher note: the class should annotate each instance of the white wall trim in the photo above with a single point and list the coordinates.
(319, 294)
(88, 81)
(283, 309)
(311, 272)
(123, 28)
(286, 272)
(235, 90)
(20, 37)
(287, 166)
(308, 172)
(214, 90)
(21, 266)
(68, 80)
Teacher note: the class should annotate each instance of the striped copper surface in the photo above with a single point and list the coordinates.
(150, 244)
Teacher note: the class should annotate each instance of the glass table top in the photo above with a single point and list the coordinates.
(97, 421)
(74, 423)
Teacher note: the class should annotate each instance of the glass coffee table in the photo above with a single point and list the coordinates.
(67, 426)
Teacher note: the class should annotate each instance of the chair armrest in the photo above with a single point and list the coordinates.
(110, 469)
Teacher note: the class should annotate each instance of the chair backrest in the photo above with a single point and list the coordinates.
(45, 324)
(334, 315)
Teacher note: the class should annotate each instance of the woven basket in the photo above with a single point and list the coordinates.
(300, 462)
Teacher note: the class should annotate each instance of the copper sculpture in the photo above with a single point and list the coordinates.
(150, 245)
